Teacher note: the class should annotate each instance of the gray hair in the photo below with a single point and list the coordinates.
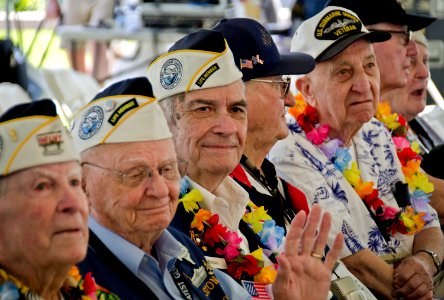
(169, 105)
(419, 37)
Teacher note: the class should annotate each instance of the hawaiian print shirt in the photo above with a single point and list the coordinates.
(303, 165)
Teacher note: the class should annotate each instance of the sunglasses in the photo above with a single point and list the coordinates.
(406, 35)
(284, 84)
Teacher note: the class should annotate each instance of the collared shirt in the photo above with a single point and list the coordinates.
(304, 165)
(154, 273)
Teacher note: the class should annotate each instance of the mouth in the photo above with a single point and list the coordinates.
(418, 92)
(360, 102)
(154, 210)
(68, 231)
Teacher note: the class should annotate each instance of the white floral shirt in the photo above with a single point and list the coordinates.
(304, 165)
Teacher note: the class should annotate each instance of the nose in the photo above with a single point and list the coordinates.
(289, 100)
(224, 124)
(72, 200)
(422, 71)
(362, 83)
(156, 186)
(412, 49)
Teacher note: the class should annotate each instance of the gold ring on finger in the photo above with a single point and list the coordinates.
(316, 255)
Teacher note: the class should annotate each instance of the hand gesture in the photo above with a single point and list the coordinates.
(302, 274)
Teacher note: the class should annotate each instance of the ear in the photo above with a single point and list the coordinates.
(305, 86)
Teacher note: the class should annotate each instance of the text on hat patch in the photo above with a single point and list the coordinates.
(336, 24)
(51, 142)
(210, 71)
(121, 110)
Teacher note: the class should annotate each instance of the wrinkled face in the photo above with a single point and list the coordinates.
(43, 217)
(210, 130)
(393, 57)
(266, 109)
(344, 89)
(127, 200)
(411, 100)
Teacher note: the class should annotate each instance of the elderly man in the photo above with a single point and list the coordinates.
(205, 107)
(267, 95)
(43, 211)
(394, 56)
(131, 179)
(348, 165)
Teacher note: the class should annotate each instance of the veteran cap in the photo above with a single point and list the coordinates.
(380, 11)
(124, 112)
(255, 52)
(31, 134)
(331, 31)
(200, 60)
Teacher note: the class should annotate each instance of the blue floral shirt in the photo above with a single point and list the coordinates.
(303, 165)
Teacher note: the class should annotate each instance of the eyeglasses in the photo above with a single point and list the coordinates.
(284, 84)
(134, 176)
(406, 35)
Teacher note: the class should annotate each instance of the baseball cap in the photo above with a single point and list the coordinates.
(331, 31)
(124, 112)
(255, 52)
(389, 11)
(200, 60)
(32, 134)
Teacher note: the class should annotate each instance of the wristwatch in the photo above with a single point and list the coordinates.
(434, 257)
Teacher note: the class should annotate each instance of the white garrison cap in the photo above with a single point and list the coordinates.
(200, 60)
(124, 112)
(31, 134)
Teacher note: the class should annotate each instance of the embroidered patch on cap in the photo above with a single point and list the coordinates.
(51, 142)
(91, 122)
(122, 110)
(336, 24)
(210, 71)
(171, 74)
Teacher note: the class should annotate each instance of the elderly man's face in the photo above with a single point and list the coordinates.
(393, 57)
(43, 217)
(345, 89)
(411, 100)
(134, 204)
(210, 130)
(266, 109)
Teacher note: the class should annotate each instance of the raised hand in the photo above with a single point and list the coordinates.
(302, 274)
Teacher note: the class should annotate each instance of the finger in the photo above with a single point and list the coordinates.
(416, 292)
(322, 235)
(294, 234)
(335, 251)
(283, 272)
(309, 232)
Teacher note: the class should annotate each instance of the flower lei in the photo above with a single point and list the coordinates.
(408, 153)
(74, 288)
(226, 243)
(407, 220)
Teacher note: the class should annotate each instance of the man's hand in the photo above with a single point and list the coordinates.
(302, 274)
(412, 280)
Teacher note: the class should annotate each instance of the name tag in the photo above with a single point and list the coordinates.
(216, 262)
